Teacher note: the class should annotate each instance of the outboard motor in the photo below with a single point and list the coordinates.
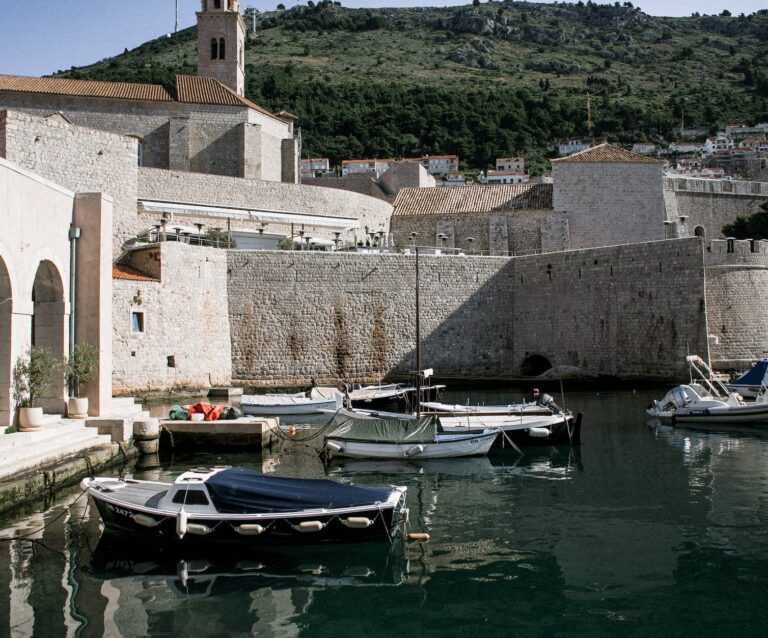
(546, 401)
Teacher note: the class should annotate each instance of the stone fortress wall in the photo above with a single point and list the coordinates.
(736, 288)
(296, 315)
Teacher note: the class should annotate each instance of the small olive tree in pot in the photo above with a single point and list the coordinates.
(31, 378)
(79, 368)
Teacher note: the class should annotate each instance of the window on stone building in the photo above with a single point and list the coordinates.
(698, 231)
(222, 50)
(137, 321)
(217, 4)
(214, 49)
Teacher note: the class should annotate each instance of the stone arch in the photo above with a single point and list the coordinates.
(49, 325)
(534, 364)
(699, 231)
(6, 345)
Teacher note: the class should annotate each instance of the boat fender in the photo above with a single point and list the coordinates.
(183, 573)
(198, 529)
(333, 447)
(249, 529)
(146, 521)
(414, 449)
(539, 433)
(310, 526)
(417, 537)
(181, 523)
(357, 522)
(359, 572)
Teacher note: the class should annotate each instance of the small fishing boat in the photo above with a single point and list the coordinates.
(753, 382)
(707, 399)
(526, 408)
(237, 505)
(277, 404)
(403, 439)
(387, 395)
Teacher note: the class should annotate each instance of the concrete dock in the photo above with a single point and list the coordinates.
(247, 432)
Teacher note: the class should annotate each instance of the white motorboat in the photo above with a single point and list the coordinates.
(404, 439)
(510, 409)
(707, 399)
(277, 404)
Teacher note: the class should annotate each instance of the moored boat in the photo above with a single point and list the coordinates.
(707, 399)
(403, 439)
(278, 404)
(753, 382)
(237, 505)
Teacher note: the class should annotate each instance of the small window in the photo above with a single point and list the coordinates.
(137, 321)
(190, 497)
(217, 4)
(222, 50)
(214, 49)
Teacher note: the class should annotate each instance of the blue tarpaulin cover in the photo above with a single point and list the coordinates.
(755, 376)
(241, 491)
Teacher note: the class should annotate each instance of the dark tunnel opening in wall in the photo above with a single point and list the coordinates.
(534, 365)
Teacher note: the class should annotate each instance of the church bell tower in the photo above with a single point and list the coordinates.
(221, 43)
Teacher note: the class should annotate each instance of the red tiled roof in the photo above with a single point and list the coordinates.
(128, 273)
(85, 88)
(473, 199)
(606, 153)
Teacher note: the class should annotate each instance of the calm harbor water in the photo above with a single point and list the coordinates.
(644, 530)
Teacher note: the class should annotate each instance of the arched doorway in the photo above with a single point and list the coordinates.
(49, 326)
(698, 231)
(6, 363)
(534, 365)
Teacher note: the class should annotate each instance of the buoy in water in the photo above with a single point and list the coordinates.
(292, 431)
(421, 537)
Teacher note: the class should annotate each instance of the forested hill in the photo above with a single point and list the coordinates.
(484, 80)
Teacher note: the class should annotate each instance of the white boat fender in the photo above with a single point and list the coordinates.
(310, 526)
(198, 529)
(539, 433)
(414, 449)
(333, 447)
(146, 521)
(183, 572)
(181, 523)
(420, 537)
(249, 529)
(357, 522)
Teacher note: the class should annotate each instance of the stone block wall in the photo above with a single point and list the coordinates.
(736, 287)
(186, 338)
(80, 159)
(178, 186)
(608, 204)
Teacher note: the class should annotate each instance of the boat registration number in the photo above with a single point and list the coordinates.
(120, 510)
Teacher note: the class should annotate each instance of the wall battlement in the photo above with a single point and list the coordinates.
(734, 252)
(716, 186)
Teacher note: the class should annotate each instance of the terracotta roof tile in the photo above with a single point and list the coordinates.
(85, 88)
(194, 89)
(128, 273)
(449, 200)
(606, 153)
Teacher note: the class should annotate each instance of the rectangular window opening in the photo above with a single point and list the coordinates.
(137, 322)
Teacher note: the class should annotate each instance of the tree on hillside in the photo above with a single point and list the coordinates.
(751, 227)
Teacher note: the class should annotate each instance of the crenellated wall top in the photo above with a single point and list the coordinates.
(734, 252)
(716, 186)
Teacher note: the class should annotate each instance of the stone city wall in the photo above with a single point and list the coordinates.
(608, 204)
(186, 337)
(521, 233)
(178, 186)
(737, 285)
(708, 205)
(80, 159)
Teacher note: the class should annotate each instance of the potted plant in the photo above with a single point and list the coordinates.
(79, 368)
(31, 378)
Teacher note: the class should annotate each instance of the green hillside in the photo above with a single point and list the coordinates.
(483, 81)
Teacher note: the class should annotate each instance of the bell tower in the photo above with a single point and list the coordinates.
(221, 43)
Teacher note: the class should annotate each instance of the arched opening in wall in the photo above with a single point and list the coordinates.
(214, 49)
(698, 231)
(49, 326)
(534, 365)
(6, 363)
(222, 49)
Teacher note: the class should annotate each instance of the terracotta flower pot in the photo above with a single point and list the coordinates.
(77, 408)
(30, 419)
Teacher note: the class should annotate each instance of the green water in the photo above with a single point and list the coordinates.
(645, 531)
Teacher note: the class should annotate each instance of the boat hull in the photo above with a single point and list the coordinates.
(755, 414)
(446, 446)
(563, 430)
(278, 529)
(312, 406)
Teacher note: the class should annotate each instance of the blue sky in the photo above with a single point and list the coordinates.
(39, 37)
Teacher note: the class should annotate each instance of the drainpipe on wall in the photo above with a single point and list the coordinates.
(74, 235)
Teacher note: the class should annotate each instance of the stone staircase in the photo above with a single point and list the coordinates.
(119, 423)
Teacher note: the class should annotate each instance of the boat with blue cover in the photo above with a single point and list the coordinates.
(753, 382)
(238, 505)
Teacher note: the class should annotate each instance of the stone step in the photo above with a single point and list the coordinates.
(124, 408)
(50, 447)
